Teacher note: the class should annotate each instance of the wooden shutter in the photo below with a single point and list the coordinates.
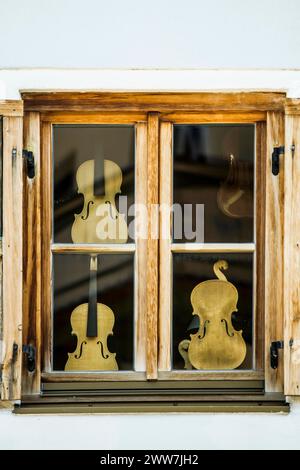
(12, 250)
(32, 255)
(292, 250)
(274, 229)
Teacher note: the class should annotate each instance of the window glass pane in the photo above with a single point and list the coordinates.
(214, 166)
(93, 167)
(73, 284)
(215, 325)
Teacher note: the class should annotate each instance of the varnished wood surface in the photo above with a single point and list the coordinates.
(259, 261)
(274, 229)
(140, 276)
(292, 255)
(213, 247)
(101, 117)
(12, 258)
(32, 267)
(153, 101)
(92, 248)
(292, 106)
(238, 374)
(46, 229)
(152, 246)
(117, 376)
(213, 117)
(165, 254)
(12, 108)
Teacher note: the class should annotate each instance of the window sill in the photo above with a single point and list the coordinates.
(142, 402)
(154, 407)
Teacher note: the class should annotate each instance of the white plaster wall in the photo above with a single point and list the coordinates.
(152, 431)
(150, 33)
(104, 37)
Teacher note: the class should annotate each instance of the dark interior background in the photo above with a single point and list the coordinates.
(201, 164)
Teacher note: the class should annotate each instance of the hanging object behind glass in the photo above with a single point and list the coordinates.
(235, 195)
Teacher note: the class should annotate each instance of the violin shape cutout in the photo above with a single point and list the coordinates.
(99, 221)
(216, 345)
(91, 353)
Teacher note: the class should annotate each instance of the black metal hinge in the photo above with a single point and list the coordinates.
(29, 350)
(274, 354)
(277, 151)
(29, 158)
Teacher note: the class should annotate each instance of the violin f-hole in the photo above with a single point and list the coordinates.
(226, 328)
(110, 211)
(78, 356)
(87, 211)
(204, 329)
(102, 350)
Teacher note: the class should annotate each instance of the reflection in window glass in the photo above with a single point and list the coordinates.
(214, 166)
(93, 166)
(214, 301)
(114, 289)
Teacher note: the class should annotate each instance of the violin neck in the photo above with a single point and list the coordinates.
(99, 177)
(92, 324)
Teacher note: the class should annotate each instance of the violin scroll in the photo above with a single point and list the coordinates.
(216, 345)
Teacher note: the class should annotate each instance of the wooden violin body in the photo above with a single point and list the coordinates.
(99, 220)
(92, 323)
(92, 353)
(216, 345)
(235, 195)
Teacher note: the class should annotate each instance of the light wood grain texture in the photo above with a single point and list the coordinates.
(211, 375)
(32, 255)
(141, 248)
(154, 101)
(274, 230)
(292, 256)
(92, 248)
(12, 257)
(213, 247)
(165, 254)
(46, 229)
(118, 376)
(259, 258)
(213, 117)
(292, 106)
(12, 108)
(152, 246)
(107, 117)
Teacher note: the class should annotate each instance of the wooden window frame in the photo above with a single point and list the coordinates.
(168, 248)
(154, 113)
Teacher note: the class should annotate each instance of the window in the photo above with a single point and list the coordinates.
(153, 243)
